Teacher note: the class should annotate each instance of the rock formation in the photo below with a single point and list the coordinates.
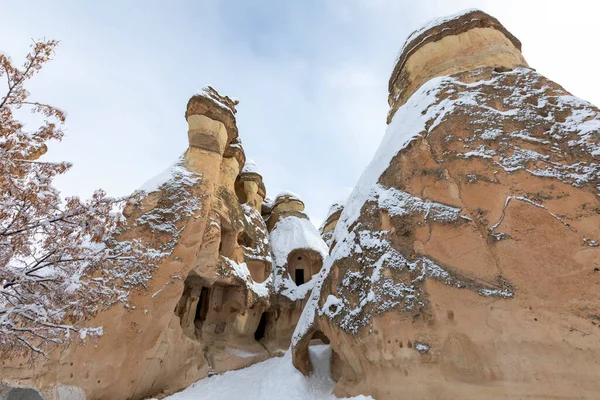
(298, 255)
(216, 302)
(465, 262)
(331, 219)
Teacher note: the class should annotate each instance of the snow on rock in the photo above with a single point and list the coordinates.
(432, 24)
(177, 171)
(425, 106)
(261, 250)
(96, 331)
(268, 202)
(241, 271)
(432, 104)
(289, 234)
(408, 123)
(424, 111)
(223, 102)
(333, 208)
(333, 214)
(332, 306)
(292, 233)
(309, 312)
(538, 106)
(421, 347)
(177, 202)
(397, 202)
(274, 379)
(250, 167)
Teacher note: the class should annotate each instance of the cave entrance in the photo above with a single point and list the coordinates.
(262, 327)
(299, 276)
(8, 393)
(314, 353)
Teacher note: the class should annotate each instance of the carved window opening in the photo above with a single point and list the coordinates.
(193, 306)
(262, 327)
(299, 276)
(201, 308)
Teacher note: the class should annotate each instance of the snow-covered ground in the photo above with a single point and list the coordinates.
(274, 379)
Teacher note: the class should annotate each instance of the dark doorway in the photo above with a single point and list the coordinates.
(262, 327)
(299, 276)
(202, 307)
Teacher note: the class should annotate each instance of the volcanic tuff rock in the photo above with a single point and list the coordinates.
(217, 301)
(465, 262)
(328, 227)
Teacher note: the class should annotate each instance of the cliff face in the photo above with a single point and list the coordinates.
(465, 262)
(217, 301)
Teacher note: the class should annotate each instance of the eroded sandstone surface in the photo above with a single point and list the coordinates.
(228, 293)
(465, 262)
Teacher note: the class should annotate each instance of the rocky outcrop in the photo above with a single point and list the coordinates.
(298, 255)
(465, 262)
(468, 40)
(213, 303)
(331, 219)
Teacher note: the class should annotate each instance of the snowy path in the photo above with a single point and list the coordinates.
(274, 379)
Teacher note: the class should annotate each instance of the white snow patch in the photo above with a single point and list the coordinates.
(422, 347)
(250, 167)
(293, 233)
(241, 271)
(97, 331)
(242, 353)
(491, 134)
(284, 193)
(274, 379)
(176, 170)
(330, 303)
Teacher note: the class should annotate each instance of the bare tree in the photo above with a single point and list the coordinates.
(60, 261)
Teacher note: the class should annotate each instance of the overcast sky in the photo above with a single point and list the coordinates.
(311, 77)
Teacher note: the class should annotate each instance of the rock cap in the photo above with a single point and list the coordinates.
(446, 26)
(221, 108)
(236, 150)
